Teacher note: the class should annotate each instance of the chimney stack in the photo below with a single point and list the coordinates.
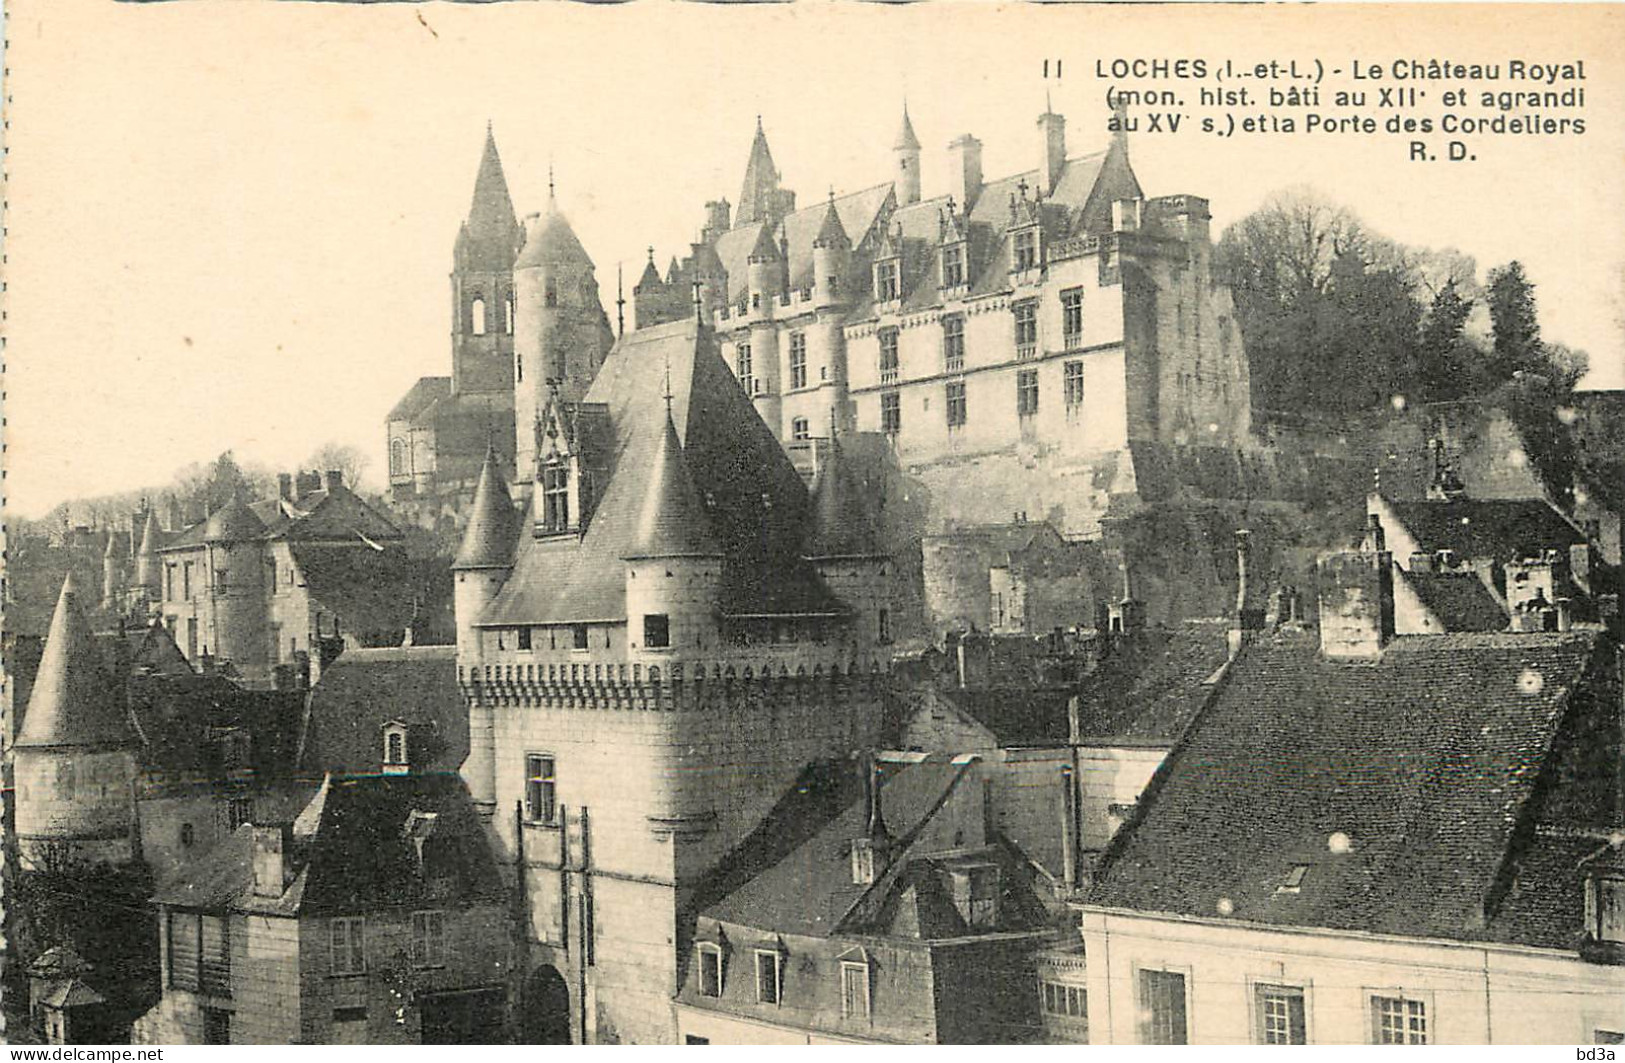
(1238, 629)
(1357, 601)
(284, 486)
(965, 171)
(273, 848)
(1052, 137)
(335, 479)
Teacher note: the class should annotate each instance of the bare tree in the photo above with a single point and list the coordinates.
(343, 457)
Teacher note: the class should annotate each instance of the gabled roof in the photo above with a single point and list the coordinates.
(364, 689)
(1459, 599)
(1503, 529)
(74, 704)
(351, 854)
(420, 397)
(493, 524)
(754, 501)
(1402, 784)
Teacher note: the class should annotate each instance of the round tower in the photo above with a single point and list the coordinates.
(561, 333)
(832, 258)
(906, 156)
(482, 565)
(238, 634)
(844, 545)
(75, 755)
(149, 568)
(674, 566)
(113, 572)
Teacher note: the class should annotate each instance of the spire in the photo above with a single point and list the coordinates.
(620, 302)
(672, 520)
(760, 196)
(906, 140)
(74, 703)
(492, 229)
(489, 539)
(152, 536)
(841, 525)
(831, 233)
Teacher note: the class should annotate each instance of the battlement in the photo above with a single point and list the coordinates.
(690, 686)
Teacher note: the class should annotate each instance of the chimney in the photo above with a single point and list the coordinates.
(717, 220)
(1375, 541)
(305, 483)
(273, 849)
(965, 171)
(284, 486)
(1422, 563)
(1580, 565)
(1238, 629)
(335, 479)
(1565, 616)
(1356, 602)
(1125, 215)
(1074, 720)
(869, 851)
(1052, 137)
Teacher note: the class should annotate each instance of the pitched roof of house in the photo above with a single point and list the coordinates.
(1459, 599)
(364, 689)
(419, 397)
(180, 717)
(755, 504)
(374, 592)
(351, 854)
(1153, 684)
(1504, 529)
(233, 523)
(1401, 784)
(328, 515)
(73, 703)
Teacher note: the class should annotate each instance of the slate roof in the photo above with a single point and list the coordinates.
(755, 503)
(234, 523)
(1503, 529)
(1426, 760)
(1153, 685)
(549, 241)
(74, 703)
(371, 590)
(843, 524)
(420, 397)
(1459, 599)
(364, 689)
(331, 515)
(179, 716)
(152, 536)
(1015, 718)
(858, 213)
(491, 234)
(351, 855)
(672, 521)
(493, 524)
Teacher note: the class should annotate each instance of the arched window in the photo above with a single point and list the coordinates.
(508, 314)
(397, 457)
(477, 313)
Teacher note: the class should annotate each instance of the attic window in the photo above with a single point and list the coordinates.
(555, 498)
(395, 749)
(1293, 882)
(863, 862)
(976, 894)
(710, 957)
(886, 286)
(1025, 250)
(953, 265)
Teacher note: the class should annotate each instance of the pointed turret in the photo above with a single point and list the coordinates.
(906, 155)
(492, 532)
(841, 523)
(492, 230)
(766, 249)
(905, 135)
(831, 233)
(761, 199)
(550, 241)
(74, 702)
(148, 568)
(650, 280)
(672, 521)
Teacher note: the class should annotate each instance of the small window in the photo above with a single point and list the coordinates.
(578, 636)
(798, 359)
(953, 343)
(1027, 393)
(541, 788)
(1293, 881)
(863, 862)
(239, 810)
(656, 631)
(886, 287)
(1162, 1008)
(477, 316)
(1398, 1021)
(855, 990)
(956, 404)
(356, 1013)
(1072, 316)
(768, 984)
(1065, 1001)
(710, 971)
(800, 430)
(953, 265)
(747, 367)
(1608, 1037)
(1610, 909)
(1073, 384)
(891, 413)
(694, 1039)
(394, 748)
(1279, 1017)
(1026, 315)
(188, 836)
(428, 939)
(556, 497)
(522, 637)
(1026, 249)
(347, 945)
(888, 355)
(883, 626)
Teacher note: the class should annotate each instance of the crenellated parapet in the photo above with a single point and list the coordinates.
(683, 687)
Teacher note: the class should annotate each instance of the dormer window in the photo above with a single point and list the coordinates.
(709, 955)
(1605, 908)
(863, 862)
(396, 748)
(886, 280)
(555, 497)
(953, 266)
(1024, 251)
(975, 889)
(1293, 880)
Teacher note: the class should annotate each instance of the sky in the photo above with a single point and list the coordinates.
(230, 225)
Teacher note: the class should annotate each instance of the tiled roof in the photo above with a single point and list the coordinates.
(364, 689)
(858, 213)
(351, 854)
(1399, 783)
(1503, 529)
(73, 702)
(371, 590)
(420, 397)
(1153, 684)
(755, 502)
(1459, 599)
(493, 524)
(234, 523)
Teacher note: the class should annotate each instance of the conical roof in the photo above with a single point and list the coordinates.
(831, 233)
(234, 524)
(74, 702)
(116, 544)
(489, 539)
(766, 248)
(650, 279)
(841, 525)
(906, 140)
(492, 229)
(761, 180)
(549, 241)
(152, 536)
(672, 520)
